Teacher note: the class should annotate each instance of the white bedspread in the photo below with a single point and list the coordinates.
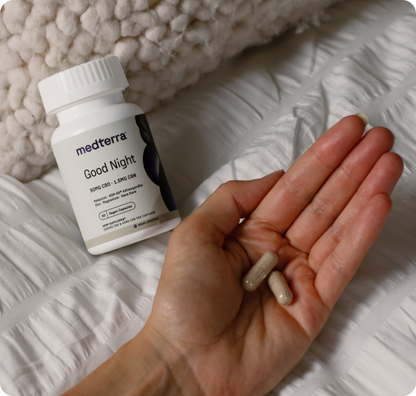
(63, 311)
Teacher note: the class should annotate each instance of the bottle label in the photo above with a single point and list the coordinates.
(115, 180)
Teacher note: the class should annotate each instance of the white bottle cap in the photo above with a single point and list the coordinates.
(82, 82)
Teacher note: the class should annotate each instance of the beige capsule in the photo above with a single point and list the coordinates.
(280, 288)
(259, 271)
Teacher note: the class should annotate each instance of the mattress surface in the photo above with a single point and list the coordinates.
(64, 312)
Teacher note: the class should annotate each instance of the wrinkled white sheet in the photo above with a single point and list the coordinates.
(63, 311)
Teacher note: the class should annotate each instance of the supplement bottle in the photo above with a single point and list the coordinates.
(107, 157)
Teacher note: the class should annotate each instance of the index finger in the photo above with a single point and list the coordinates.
(292, 194)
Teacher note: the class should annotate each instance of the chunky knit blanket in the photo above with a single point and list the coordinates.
(164, 46)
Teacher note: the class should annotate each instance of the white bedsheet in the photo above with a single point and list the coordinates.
(63, 311)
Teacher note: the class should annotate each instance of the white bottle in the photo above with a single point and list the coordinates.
(107, 157)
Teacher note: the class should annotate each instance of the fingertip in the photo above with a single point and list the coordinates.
(276, 174)
(351, 125)
(382, 202)
(394, 166)
(398, 162)
(383, 134)
(357, 122)
(372, 220)
(363, 118)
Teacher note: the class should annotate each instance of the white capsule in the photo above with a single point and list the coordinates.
(259, 271)
(280, 288)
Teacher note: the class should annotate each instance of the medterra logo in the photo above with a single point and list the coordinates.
(99, 143)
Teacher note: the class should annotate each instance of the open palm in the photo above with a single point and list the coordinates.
(320, 217)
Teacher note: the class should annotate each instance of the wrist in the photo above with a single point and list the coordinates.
(169, 371)
(145, 366)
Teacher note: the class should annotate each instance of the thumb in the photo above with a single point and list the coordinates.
(222, 211)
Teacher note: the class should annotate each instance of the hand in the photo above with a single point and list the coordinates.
(321, 217)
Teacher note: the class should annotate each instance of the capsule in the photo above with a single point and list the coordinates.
(259, 271)
(280, 288)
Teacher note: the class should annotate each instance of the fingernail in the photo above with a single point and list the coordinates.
(363, 117)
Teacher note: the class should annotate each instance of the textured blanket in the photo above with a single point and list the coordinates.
(164, 46)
